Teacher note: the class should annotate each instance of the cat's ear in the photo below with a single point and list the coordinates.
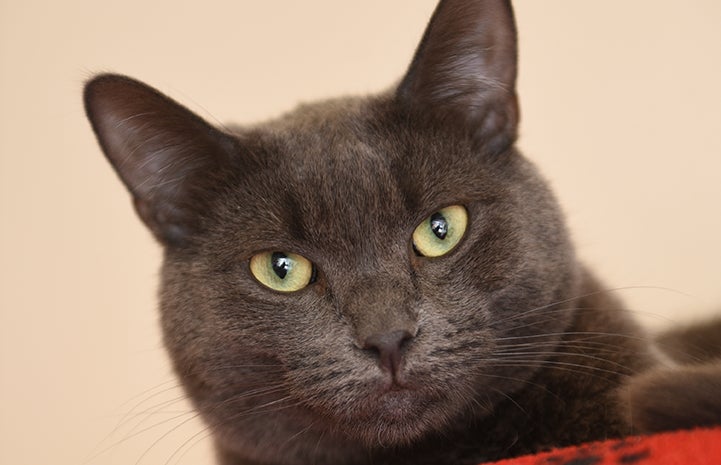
(464, 70)
(168, 157)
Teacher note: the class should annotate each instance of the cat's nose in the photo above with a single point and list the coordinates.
(388, 348)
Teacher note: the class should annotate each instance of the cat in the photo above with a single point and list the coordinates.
(378, 280)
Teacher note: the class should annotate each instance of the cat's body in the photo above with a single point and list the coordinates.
(442, 316)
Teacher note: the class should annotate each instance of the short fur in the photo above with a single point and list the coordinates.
(512, 345)
(693, 344)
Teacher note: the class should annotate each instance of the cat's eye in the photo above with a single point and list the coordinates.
(440, 232)
(282, 271)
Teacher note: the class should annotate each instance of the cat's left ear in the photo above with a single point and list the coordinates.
(464, 70)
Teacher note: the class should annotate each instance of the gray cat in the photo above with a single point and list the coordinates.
(381, 280)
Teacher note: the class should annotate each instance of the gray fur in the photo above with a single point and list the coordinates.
(513, 346)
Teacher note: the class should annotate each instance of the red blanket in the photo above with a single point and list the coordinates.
(696, 447)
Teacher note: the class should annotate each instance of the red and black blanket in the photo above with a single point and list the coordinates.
(691, 447)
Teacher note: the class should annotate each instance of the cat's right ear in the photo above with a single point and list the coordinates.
(168, 157)
(464, 71)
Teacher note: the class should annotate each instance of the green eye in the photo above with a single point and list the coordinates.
(282, 271)
(441, 231)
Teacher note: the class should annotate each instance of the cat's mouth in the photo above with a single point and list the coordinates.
(393, 415)
(396, 402)
(395, 407)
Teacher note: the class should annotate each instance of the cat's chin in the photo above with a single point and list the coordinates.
(394, 417)
(395, 405)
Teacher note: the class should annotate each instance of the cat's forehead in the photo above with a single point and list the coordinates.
(323, 131)
(330, 140)
(344, 171)
(360, 137)
(354, 148)
(334, 175)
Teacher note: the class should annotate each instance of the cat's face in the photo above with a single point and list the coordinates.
(379, 342)
(348, 195)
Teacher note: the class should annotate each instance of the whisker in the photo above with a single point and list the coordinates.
(188, 444)
(510, 355)
(578, 345)
(128, 415)
(590, 294)
(299, 433)
(147, 391)
(525, 381)
(556, 364)
(154, 410)
(135, 434)
(577, 333)
(207, 431)
(511, 399)
(157, 441)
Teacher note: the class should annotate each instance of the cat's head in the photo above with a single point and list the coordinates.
(349, 270)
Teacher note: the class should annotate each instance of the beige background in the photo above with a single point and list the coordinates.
(621, 109)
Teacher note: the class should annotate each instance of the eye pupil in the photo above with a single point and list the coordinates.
(281, 264)
(282, 271)
(439, 233)
(439, 225)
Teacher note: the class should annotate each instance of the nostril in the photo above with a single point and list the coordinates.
(388, 347)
